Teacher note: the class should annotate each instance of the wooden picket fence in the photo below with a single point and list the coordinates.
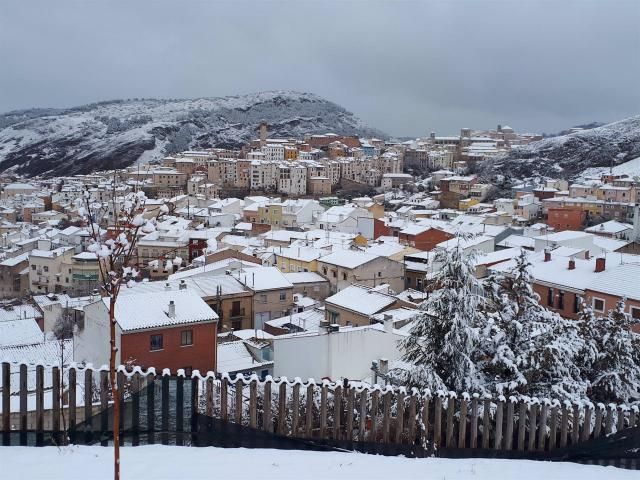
(164, 408)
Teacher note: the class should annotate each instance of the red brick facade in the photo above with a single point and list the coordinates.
(201, 355)
(566, 218)
(426, 240)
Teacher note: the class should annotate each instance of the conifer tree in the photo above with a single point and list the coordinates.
(442, 343)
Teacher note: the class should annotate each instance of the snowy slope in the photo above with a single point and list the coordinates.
(121, 132)
(567, 156)
(159, 462)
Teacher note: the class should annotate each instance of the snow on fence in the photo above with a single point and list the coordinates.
(165, 409)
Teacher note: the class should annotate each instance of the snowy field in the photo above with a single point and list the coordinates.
(159, 462)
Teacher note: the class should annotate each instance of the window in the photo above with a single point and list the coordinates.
(186, 338)
(550, 297)
(156, 342)
(344, 276)
(33, 267)
(334, 273)
(46, 269)
(576, 303)
(598, 304)
(188, 371)
(263, 298)
(324, 269)
(283, 296)
(379, 274)
(561, 300)
(635, 313)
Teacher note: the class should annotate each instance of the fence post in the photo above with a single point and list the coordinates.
(282, 407)
(104, 408)
(239, 391)
(386, 416)
(88, 405)
(23, 404)
(267, 424)
(497, 444)
(179, 409)
(508, 444)
(323, 411)
(486, 423)
(308, 426)
(462, 423)
(575, 428)
(553, 427)
(39, 405)
(564, 426)
(351, 398)
(424, 434)
(295, 414)
(399, 418)
(6, 403)
(437, 421)
(209, 397)
(195, 402)
(533, 419)
(522, 421)
(542, 428)
(451, 406)
(412, 418)
(253, 403)
(72, 405)
(474, 421)
(165, 409)
(337, 412)
(135, 409)
(597, 428)
(620, 410)
(151, 408)
(362, 427)
(224, 407)
(374, 415)
(586, 425)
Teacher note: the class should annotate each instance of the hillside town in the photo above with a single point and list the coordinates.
(327, 245)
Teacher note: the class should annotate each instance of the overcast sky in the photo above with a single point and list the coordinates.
(404, 67)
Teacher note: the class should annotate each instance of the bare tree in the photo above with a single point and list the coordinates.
(126, 219)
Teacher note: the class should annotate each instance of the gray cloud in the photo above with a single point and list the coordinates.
(404, 67)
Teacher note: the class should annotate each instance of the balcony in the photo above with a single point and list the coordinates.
(236, 314)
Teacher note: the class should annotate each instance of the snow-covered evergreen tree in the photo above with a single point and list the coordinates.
(616, 372)
(442, 343)
(531, 350)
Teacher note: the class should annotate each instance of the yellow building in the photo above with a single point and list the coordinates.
(270, 214)
(465, 203)
(296, 259)
(290, 153)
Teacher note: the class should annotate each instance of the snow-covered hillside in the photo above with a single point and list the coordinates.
(567, 156)
(121, 132)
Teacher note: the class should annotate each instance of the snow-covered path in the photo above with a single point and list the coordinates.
(160, 462)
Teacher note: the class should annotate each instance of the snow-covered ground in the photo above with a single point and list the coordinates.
(159, 462)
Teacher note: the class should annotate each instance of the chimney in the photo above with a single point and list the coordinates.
(172, 309)
(167, 286)
(587, 255)
(572, 263)
(600, 264)
(183, 285)
(547, 255)
(323, 327)
(388, 323)
(383, 366)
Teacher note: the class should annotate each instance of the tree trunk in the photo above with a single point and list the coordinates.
(115, 395)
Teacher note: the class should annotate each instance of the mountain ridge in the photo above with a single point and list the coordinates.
(566, 156)
(117, 133)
